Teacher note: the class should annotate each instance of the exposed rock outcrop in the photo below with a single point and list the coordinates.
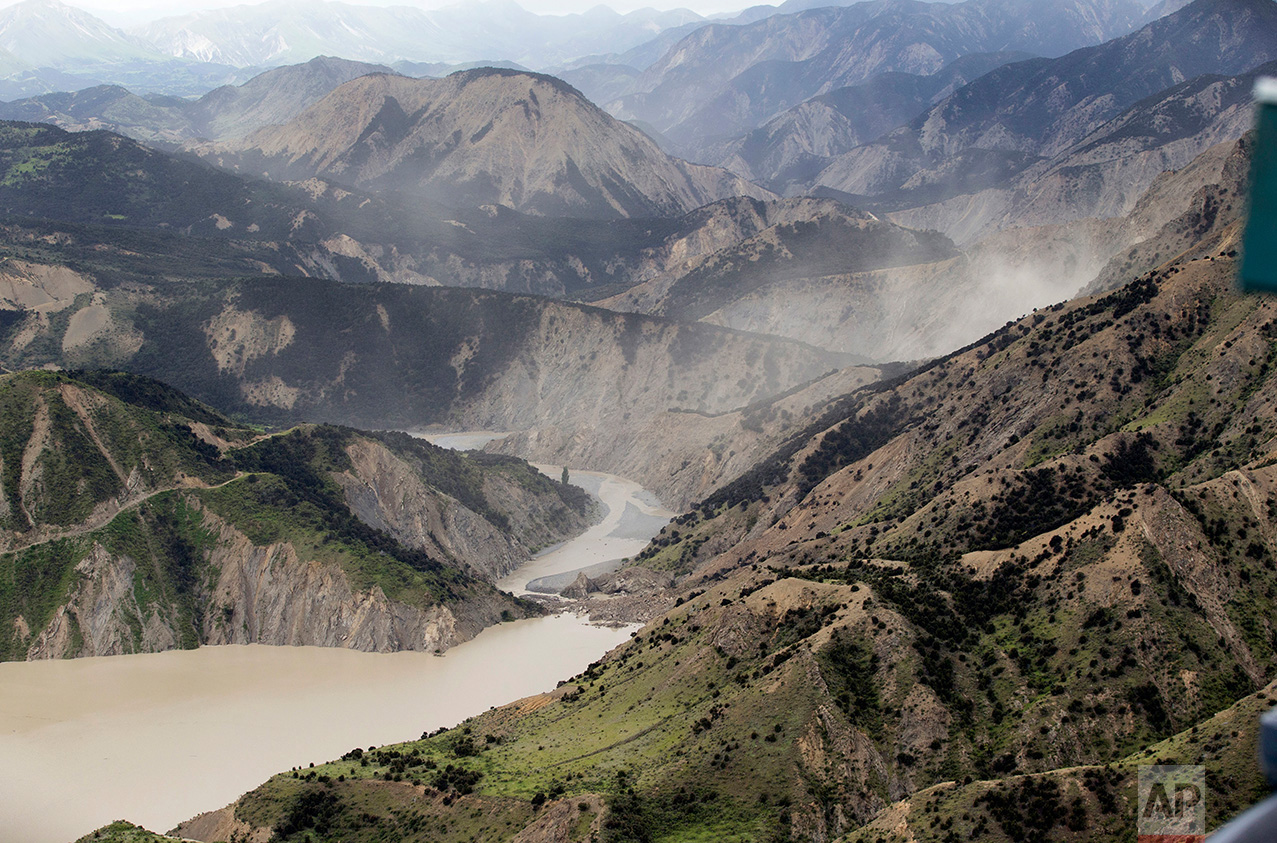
(253, 595)
(103, 616)
(384, 492)
(139, 520)
(274, 595)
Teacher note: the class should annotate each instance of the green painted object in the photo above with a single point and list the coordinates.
(1259, 261)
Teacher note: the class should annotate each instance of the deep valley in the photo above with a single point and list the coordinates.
(872, 378)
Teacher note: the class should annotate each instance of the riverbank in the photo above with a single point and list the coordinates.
(631, 517)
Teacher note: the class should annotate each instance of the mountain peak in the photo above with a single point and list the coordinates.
(484, 136)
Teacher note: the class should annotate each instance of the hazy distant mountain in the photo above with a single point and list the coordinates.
(11, 64)
(761, 69)
(649, 52)
(848, 281)
(275, 96)
(48, 33)
(436, 69)
(286, 31)
(483, 136)
(601, 82)
(796, 145)
(1105, 173)
(1004, 122)
(780, 242)
(19, 79)
(109, 107)
(69, 49)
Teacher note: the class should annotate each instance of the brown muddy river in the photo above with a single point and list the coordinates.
(158, 738)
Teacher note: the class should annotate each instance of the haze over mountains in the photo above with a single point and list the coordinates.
(54, 46)
(386, 174)
(484, 136)
(1022, 113)
(286, 32)
(722, 80)
(921, 313)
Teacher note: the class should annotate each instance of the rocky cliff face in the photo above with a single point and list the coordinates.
(404, 357)
(97, 618)
(274, 595)
(250, 594)
(386, 492)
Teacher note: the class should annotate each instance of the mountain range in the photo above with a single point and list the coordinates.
(793, 147)
(274, 96)
(723, 81)
(55, 47)
(286, 31)
(49, 46)
(1002, 124)
(936, 348)
(875, 635)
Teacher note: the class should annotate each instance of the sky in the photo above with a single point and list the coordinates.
(125, 12)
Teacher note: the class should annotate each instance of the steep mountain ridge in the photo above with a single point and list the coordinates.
(1104, 174)
(483, 136)
(137, 520)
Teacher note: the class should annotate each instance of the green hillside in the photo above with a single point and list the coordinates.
(129, 509)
